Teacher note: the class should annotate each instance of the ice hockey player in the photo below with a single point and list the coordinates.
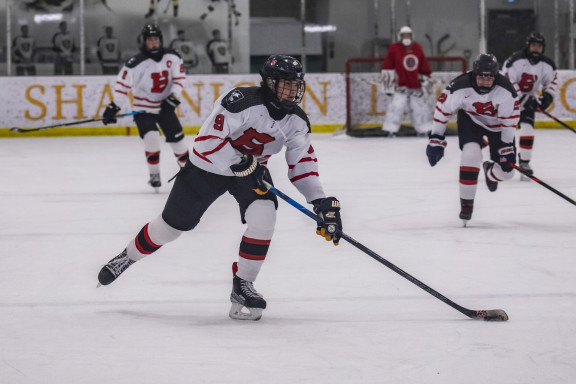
(529, 72)
(406, 74)
(246, 127)
(156, 77)
(487, 106)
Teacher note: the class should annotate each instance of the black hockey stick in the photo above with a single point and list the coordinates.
(556, 120)
(542, 183)
(24, 130)
(487, 315)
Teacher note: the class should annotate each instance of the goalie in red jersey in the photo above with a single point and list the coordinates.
(405, 74)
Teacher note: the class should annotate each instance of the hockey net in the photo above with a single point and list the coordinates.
(366, 102)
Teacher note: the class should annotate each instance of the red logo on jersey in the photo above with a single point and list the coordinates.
(160, 81)
(486, 109)
(169, 63)
(527, 82)
(252, 142)
(442, 98)
(410, 62)
(517, 105)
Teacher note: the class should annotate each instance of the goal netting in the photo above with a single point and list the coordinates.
(366, 102)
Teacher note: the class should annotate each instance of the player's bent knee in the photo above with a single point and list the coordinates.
(161, 233)
(261, 219)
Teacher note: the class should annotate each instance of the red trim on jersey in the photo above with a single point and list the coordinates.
(444, 113)
(255, 241)
(124, 93)
(147, 100)
(208, 137)
(124, 85)
(296, 178)
(179, 78)
(200, 156)
(177, 83)
(440, 121)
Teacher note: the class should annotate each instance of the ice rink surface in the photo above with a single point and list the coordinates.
(334, 315)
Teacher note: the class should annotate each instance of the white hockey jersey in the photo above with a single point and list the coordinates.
(497, 110)
(150, 81)
(243, 122)
(218, 51)
(63, 43)
(108, 50)
(23, 48)
(529, 79)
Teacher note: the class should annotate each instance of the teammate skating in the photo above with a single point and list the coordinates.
(529, 72)
(487, 106)
(155, 76)
(247, 126)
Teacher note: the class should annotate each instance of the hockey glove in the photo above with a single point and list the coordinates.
(531, 104)
(109, 115)
(545, 100)
(435, 149)
(172, 101)
(330, 227)
(507, 157)
(251, 174)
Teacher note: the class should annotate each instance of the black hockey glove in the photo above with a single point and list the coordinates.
(172, 102)
(252, 174)
(545, 100)
(435, 149)
(330, 227)
(531, 104)
(109, 115)
(507, 157)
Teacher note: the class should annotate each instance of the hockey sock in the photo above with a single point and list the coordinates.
(261, 219)
(152, 150)
(526, 141)
(180, 151)
(150, 238)
(469, 169)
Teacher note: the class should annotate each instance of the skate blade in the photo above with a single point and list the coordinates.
(464, 223)
(237, 313)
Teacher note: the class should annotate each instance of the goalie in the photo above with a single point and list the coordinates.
(405, 74)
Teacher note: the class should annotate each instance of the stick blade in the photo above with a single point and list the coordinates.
(491, 315)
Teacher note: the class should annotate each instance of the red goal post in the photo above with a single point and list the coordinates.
(365, 101)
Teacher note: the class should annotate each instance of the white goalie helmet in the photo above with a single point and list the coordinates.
(406, 41)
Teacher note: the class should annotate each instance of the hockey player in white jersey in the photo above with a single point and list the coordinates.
(487, 106)
(156, 77)
(247, 126)
(531, 72)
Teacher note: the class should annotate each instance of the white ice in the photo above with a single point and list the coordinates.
(334, 315)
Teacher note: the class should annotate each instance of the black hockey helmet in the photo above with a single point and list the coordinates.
(283, 67)
(535, 37)
(485, 65)
(150, 30)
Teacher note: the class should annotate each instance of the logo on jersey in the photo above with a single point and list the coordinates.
(526, 83)
(410, 62)
(234, 97)
(169, 63)
(442, 98)
(486, 109)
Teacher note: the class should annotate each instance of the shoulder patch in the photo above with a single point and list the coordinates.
(515, 57)
(171, 51)
(461, 82)
(549, 61)
(503, 82)
(301, 114)
(135, 60)
(242, 98)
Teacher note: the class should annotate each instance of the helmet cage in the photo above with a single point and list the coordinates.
(282, 67)
(535, 37)
(151, 30)
(485, 65)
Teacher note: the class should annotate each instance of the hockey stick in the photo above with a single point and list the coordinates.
(487, 315)
(167, 6)
(558, 121)
(24, 130)
(542, 183)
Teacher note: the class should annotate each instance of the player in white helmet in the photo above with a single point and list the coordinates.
(406, 73)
